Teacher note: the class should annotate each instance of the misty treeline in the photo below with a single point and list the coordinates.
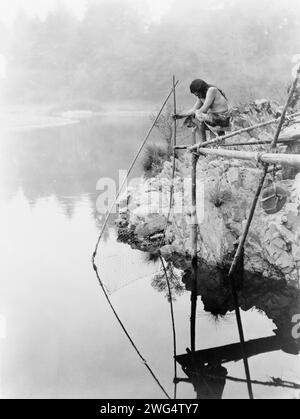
(116, 54)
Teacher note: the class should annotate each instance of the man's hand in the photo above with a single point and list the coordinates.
(176, 116)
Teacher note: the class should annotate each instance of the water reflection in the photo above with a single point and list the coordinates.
(66, 162)
(277, 299)
(206, 372)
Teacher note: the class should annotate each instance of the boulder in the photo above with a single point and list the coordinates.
(152, 225)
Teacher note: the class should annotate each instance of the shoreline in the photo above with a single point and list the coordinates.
(20, 119)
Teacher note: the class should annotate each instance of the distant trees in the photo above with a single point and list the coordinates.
(245, 47)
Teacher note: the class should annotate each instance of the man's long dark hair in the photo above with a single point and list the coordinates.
(200, 87)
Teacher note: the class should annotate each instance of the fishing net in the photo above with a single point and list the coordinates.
(120, 265)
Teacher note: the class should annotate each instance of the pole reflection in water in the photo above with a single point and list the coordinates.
(205, 370)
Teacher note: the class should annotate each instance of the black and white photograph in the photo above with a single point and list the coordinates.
(149, 202)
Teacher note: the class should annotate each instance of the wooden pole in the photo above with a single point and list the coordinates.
(202, 133)
(285, 141)
(171, 208)
(194, 240)
(290, 138)
(255, 157)
(283, 115)
(175, 111)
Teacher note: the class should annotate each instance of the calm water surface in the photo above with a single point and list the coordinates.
(61, 338)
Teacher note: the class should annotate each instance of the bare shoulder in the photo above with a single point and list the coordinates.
(212, 91)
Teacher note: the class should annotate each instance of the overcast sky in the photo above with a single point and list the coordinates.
(9, 8)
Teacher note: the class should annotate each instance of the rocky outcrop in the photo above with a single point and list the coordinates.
(225, 194)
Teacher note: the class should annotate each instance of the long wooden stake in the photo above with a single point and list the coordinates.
(194, 239)
(171, 208)
(175, 111)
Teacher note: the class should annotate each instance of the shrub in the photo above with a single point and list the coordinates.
(219, 196)
(159, 282)
(154, 158)
(164, 124)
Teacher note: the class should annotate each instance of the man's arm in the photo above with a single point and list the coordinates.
(191, 111)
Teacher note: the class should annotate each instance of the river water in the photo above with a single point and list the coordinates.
(58, 337)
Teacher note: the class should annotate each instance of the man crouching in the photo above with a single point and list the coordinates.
(211, 106)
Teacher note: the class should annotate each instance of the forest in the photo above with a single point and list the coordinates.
(116, 54)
